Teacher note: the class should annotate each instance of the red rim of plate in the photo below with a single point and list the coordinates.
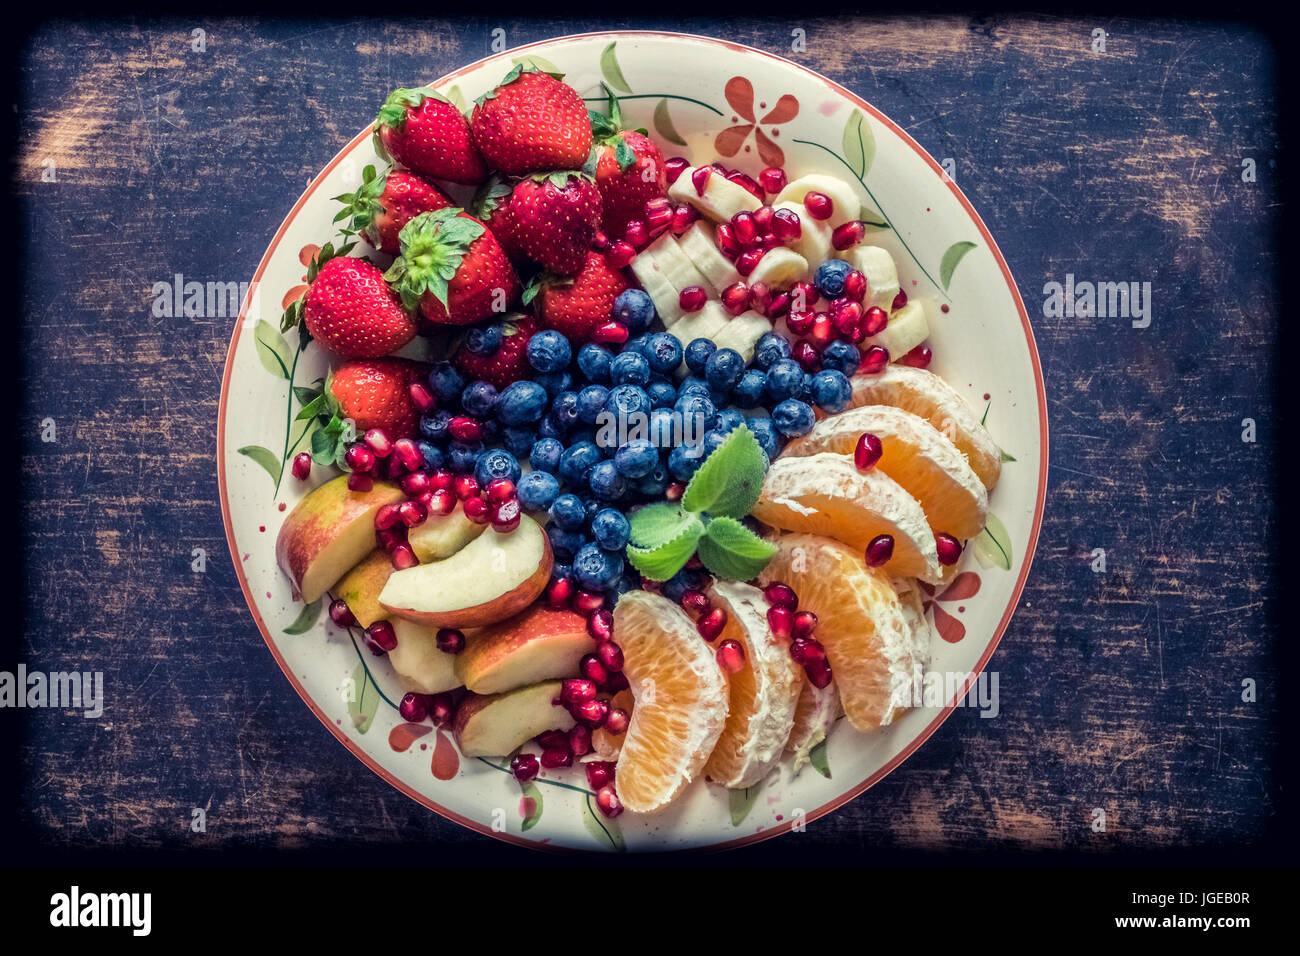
(902, 755)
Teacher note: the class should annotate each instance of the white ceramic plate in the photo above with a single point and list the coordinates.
(699, 97)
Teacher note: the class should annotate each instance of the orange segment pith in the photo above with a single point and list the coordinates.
(814, 716)
(681, 700)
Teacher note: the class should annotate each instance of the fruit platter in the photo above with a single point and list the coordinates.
(632, 441)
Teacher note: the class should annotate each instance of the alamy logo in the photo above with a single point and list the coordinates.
(937, 688)
(204, 300)
(60, 689)
(1104, 300)
(75, 908)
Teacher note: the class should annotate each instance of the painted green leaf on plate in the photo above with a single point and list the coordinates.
(859, 144)
(611, 71)
(956, 252)
(272, 349)
(546, 66)
(600, 827)
(532, 811)
(993, 544)
(817, 757)
(663, 124)
(305, 619)
(740, 802)
(264, 457)
(365, 699)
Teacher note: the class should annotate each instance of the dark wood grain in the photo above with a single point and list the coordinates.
(1119, 690)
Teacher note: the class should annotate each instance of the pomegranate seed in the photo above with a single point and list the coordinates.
(855, 286)
(675, 167)
(382, 635)
(779, 306)
(616, 683)
(747, 183)
(710, 625)
(442, 708)
(421, 397)
(683, 216)
(848, 235)
(386, 517)
(692, 298)
(637, 234)
(781, 595)
(874, 320)
(611, 656)
(525, 767)
(819, 205)
(599, 773)
(781, 621)
(405, 451)
(359, 458)
(611, 332)
(390, 538)
(772, 179)
(800, 322)
(599, 241)
(879, 550)
(551, 759)
(760, 296)
(415, 484)
(807, 650)
(748, 260)
(700, 179)
(553, 740)
(465, 429)
(443, 503)
(763, 219)
(735, 298)
(378, 442)
(819, 674)
(874, 360)
(728, 244)
(731, 656)
(591, 712)
(742, 223)
(575, 691)
(601, 625)
(900, 300)
(450, 640)
(501, 490)
(867, 452)
(592, 669)
(803, 296)
(393, 468)
(949, 548)
(616, 721)
(360, 483)
(805, 622)
(621, 254)
(823, 330)
(696, 602)
(441, 480)
(341, 614)
(412, 513)
(465, 486)
(847, 313)
(413, 708)
(786, 225)
(675, 490)
(805, 353)
(588, 601)
(302, 465)
(580, 741)
(608, 801)
(658, 208)
(919, 357)
(559, 592)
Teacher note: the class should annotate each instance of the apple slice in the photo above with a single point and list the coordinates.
(491, 578)
(493, 725)
(441, 536)
(360, 588)
(328, 532)
(419, 664)
(536, 645)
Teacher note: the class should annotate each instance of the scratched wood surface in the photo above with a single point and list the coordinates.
(1120, 690)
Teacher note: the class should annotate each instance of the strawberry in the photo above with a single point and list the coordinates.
(577, 307)
(489, 206)
(349, 309)
(629, 170)
(508, 364)
(553, 218)
(385, 203)
(375, 393)
(452, 269)
(531, 122)
(425, 132)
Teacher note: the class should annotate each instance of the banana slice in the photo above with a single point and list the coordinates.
(651, 276)
(722, 198)
(742, 333)
(882, 275)
(779, 268)
(677, 266)
(700, 246)
(906, 330)
(703, 324)
(845, 201)
(814, 242)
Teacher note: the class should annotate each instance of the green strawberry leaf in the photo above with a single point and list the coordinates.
(656, 523)
(433, 246)
(729, 481)
(661, 562)
(623, 153)
(304, 621)
(732, 551)
(325, 444)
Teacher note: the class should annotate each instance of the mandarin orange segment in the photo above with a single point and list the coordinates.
(680, 697)
(916, 455)
(606, 745)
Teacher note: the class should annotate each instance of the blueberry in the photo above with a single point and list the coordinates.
(545, 455)
(664, 353)
(636, 458)
(728, 420)
(594, 361)
(748, 392)
(841, 356)
(592, 506)
(560, 570)
(538, 490)
(519, 441)
(793, 417)
(629, 368)
(566, 544)
(662, 394)
(829, 277)
(494, 464)
(627, 581)
(591, 402)
(723, 369)
(634, 309)
(576, 461)
(549, 351)
(434, 426)
(521, 403)
(637, 346)
(605, 481)
(610, 529)
(687, 579)
(767, 437)
(483, 339)
(462, 457)
(491, 430)
(568, 512)
(831, 390)
(583, 434)
(564, 408)
(698, 414)
(784, 379)
(554, 382)
(595, 568)
(626, 400)
(431, 454)
(684, 460)
(697, 353)
(712, 439)
(804, 394)
(663, 428)
(693, 385)
(770, 349)
(445, 382)
(479, 398)
(655, 483)
(548, 427)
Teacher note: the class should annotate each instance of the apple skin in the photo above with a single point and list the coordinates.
(539, 644)
(328, 532)
(360, 587)
(512, 719)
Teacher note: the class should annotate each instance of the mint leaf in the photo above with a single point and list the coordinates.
(732, 551)
(661, 562)
(730, 480)
(658, 523)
